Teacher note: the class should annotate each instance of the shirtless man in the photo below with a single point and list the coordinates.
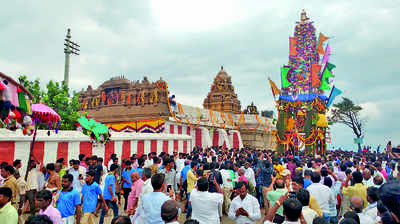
(53, 183)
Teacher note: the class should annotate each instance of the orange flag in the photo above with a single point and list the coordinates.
(315, 68)
(292, 46)
(122, 95)
(275, 90)
(322, 39)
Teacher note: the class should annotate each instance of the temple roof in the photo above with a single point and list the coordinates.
(120, 81)
(222, 96)
(222, 74)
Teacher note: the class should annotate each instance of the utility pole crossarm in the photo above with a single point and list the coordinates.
(70, 48)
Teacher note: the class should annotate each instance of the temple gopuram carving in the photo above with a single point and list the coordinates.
(222, 96)
(120, 100)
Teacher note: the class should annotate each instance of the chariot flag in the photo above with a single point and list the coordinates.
(315, 68)
(330, 66)
(334, 93)
(325, 79)
(322, 39)
(284, 71)
(325, 59)
(292, 46)
(275, 90)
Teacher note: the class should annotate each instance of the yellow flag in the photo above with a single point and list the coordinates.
(275, 90)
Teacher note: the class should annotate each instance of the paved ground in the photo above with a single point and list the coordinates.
(225, 219)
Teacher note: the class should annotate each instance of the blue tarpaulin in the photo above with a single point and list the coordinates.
(302, 97)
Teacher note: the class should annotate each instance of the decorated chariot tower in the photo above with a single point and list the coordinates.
(302, 102)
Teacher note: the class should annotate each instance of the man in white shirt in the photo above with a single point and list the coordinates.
(139, 216)
(245, 208)
(249, 174)
(372, 198)
(32, 183)
(357, 205)
(367, 179)
(227, 187)
(111, 161)
(149, 161)
(206, 206)
(180, 163)
(322, 193)
(79, 174)
(304, 197)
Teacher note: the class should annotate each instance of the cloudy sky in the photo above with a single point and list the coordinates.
(187, 41)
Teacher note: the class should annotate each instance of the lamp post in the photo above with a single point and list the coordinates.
(70, 48)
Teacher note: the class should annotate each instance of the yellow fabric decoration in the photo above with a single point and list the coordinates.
(322, 121)
(290, 124)
(155, 96)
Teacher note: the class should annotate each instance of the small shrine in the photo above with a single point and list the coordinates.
(251, 109)
(222, 96)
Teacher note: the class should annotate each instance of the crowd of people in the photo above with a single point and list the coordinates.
(246, 185)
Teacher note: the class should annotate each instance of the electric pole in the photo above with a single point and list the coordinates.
(70, 48)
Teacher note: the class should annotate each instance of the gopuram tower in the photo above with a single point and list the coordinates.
(222, 96)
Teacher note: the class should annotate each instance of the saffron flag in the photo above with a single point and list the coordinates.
(325, 79)
(292, 46)
(334, 93)
(284, 80)
(275, 90)
(315, 68)
(325, 59)
(322, 39)
(122, 95)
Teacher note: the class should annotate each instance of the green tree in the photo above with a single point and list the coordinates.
(348, 113)
(57, 97)
(33, 87)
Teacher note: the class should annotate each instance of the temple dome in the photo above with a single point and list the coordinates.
(222, 96)
(116, 82)
(222, 74)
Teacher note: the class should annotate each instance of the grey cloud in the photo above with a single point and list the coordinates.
(126, 38)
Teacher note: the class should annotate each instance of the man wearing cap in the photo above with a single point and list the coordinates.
(286, 178)
(170, 212)
(8, 214)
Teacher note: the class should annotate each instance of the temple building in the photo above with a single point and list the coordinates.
(222, 96)
(144, 107)
(121, 100)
